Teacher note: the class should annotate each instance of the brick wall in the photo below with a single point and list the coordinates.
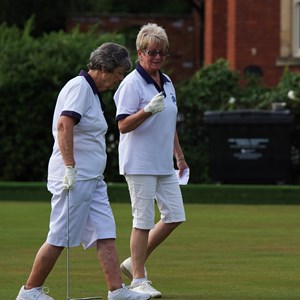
(183, 60)
(215, 30)
(246, 32)
(257, 36)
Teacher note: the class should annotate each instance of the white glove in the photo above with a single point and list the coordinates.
(69, 178)
(156, 104)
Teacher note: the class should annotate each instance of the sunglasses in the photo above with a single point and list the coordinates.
(153, 53)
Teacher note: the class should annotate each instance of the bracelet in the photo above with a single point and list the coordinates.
(180, 158)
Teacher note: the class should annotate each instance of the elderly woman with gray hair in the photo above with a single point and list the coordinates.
(146, 114)
(75, 176)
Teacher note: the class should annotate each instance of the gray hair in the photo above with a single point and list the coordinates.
(152, 34)
(108, 57)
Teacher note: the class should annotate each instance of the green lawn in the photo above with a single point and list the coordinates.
(221, 252)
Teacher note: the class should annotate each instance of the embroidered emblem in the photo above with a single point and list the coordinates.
(173, 98)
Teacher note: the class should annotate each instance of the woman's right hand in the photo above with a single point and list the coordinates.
(156, 104)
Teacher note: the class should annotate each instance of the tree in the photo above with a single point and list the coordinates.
(32, 72)
(51, 15)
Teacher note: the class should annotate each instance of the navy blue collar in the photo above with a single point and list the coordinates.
(148, 78)
(92, 84)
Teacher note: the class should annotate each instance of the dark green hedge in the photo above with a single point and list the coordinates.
(192, 193)
(32, 72)
(217, 87)
(34, 69)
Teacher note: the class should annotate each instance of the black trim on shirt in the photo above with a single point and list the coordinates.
(76, 116)
(91, 82)
(149, 79)
(121, 117)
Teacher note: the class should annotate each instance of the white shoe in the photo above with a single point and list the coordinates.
(126, 294)
(126, 268)
(38, 293)
(145, 287)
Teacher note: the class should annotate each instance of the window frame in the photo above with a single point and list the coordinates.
(296, 28)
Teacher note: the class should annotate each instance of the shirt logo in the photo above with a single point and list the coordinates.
(173, 98)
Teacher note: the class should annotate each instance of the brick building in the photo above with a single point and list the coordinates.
(261, 36)
(183, 33)
(258, 35)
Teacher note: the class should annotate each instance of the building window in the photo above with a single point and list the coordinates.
(289, 33)
(296, 28)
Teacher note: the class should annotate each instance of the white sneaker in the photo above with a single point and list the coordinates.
(126, 268)
(38, 293)
(145, 287)
(126, 294)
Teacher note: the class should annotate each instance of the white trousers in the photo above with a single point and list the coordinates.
(90, 214)
(144, 189)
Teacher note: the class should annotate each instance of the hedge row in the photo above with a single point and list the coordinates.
(34, 69)
(32, 72)
(192, 193)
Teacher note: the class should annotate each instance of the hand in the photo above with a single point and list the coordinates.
(182, 165)
(156, 104)
(69, 178)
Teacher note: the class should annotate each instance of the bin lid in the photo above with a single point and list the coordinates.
(248, 116)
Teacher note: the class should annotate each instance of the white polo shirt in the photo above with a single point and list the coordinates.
(80, 99)
(149, 148)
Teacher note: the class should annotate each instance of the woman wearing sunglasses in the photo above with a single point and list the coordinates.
(146, 116)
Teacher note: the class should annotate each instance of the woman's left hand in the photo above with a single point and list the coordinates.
(181, 164)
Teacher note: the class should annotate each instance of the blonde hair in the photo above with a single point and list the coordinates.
(152, 34)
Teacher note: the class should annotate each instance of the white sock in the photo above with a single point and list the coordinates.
(138, 280)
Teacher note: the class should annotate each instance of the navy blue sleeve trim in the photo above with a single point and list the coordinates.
(121, 117)
(72, 114)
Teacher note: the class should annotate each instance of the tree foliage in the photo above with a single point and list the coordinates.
(131, 6)
(32, 72)
(52, 15)
(34, 69)
(217, 87)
